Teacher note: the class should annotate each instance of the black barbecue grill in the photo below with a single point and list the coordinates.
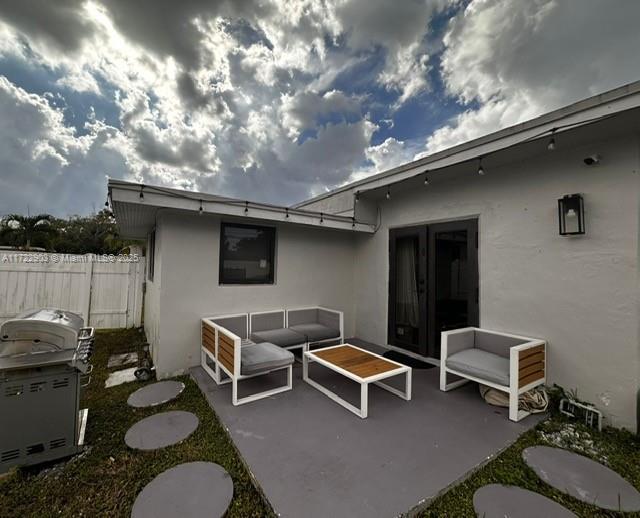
(44, 365)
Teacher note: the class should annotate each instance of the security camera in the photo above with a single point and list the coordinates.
(592, 159)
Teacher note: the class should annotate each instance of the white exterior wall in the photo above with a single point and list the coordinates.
(152, 298)
(579, 293)
(313, 267)
(340, 203)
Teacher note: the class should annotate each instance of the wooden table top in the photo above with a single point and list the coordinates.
(358, 362)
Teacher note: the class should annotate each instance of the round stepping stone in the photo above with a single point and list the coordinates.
(160, 430)
(155, 394)
(193, 489)
(582, 478)
(498, 501)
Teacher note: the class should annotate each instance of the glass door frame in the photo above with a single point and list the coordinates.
(428, 336)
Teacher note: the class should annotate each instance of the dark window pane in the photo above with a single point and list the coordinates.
(246, 254)
(407, 302)
(452, 282)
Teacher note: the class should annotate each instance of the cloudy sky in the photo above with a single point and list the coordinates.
(278, 100)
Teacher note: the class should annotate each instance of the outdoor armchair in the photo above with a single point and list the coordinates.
(226, 353)
(510, 363)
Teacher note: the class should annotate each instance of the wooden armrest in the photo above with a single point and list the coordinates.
(226, 350)
(531, 364)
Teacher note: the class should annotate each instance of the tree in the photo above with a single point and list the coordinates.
(27, 231)
(95, 234)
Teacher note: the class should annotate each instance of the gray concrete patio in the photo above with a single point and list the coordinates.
(313, 458)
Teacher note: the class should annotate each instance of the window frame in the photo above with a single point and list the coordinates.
(272, 254)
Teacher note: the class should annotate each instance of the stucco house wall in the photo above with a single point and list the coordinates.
(313, 267)
(340, 203)
(152, 297)
(579, 293)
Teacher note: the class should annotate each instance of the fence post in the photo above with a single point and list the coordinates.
(88, 277)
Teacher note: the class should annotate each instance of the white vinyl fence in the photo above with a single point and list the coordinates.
(107, 288)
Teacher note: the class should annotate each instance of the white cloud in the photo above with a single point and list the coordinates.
(522, 58)
(398, 27)
(42, 160)
(299, 111)
(495, 114)
(387, 155)
(406, 72)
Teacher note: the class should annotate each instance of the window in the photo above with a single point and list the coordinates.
(151, 253)
(246, 254)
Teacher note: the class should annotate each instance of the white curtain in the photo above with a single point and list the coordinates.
(407, 310)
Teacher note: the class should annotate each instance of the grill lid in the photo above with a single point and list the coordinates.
(56, 316)
(45, 337)
(40, 330)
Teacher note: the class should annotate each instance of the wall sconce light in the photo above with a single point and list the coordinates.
(571, 215)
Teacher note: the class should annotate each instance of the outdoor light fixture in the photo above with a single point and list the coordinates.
(141, 193)
(426, 180)
(321, 217)
(200, 209)
(388, 195)
(357, 196)
(353, 222)
(552, 141)
(286, 213)
(246, 208)
(571, 215)
(480, 168)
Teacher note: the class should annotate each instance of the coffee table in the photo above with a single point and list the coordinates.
(359, 365)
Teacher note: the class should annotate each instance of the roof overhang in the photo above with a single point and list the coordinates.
(135, 207)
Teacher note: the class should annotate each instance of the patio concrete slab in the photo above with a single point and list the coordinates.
(155, 394)
(313, 458)
(161, 430)
(498, 501)
(582, 478)
(189, 490)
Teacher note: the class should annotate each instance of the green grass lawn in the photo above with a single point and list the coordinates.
(107, 477)
(617, 449)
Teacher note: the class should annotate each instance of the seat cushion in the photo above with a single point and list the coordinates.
(316, 332)
(281, 337)
(263, 357)
(481, 364)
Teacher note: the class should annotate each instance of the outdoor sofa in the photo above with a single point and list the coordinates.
(246, 345)
(297, 328)
(510, 363)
